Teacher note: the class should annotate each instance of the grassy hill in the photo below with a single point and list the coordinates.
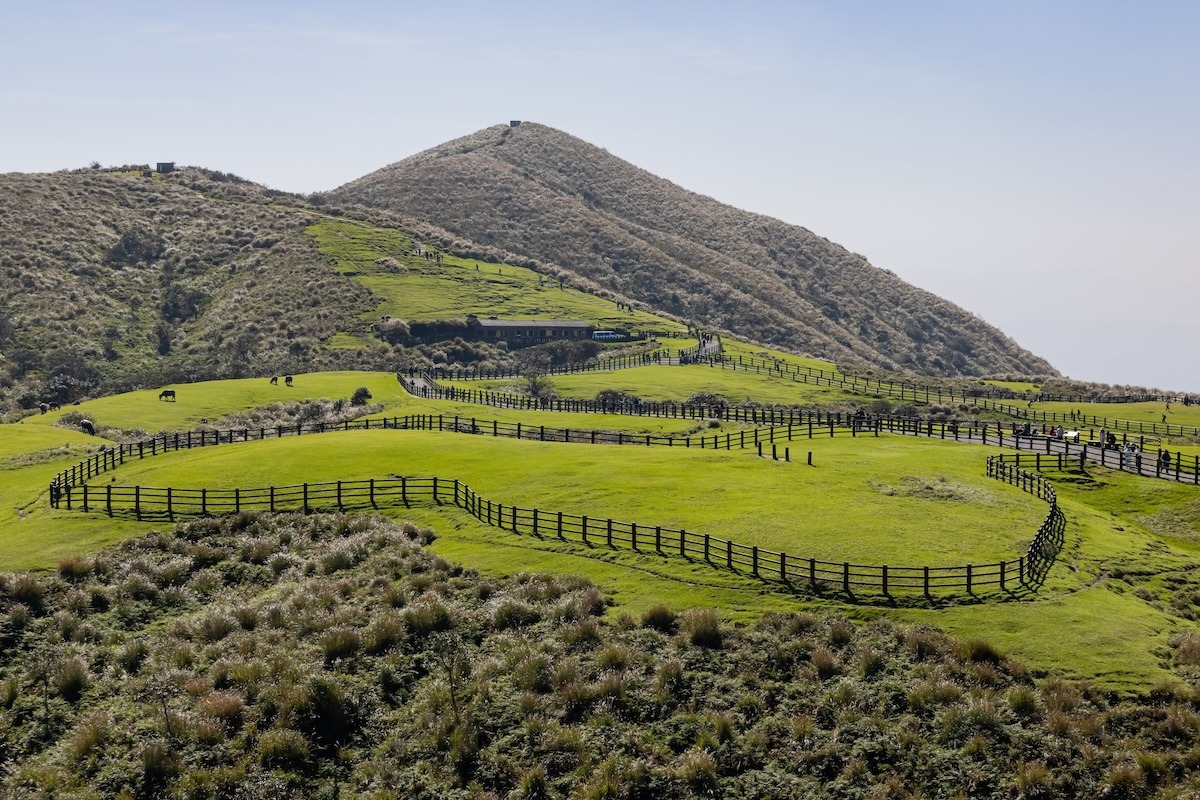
(548, 196)
(111, 280)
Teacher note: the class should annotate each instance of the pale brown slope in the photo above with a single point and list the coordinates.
(549, 196)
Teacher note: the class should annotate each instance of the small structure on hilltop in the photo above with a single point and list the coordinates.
(528, 331)
(164, 167)
(514, 123)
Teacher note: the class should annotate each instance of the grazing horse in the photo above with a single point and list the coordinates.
(87, 426)
(42, 407)
(167, 394)
(274, 380)
(287, 380)
(55, 406)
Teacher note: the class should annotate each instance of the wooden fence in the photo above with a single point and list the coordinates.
(984, 398)
(973, 430)
(149, 503)
(71, 490)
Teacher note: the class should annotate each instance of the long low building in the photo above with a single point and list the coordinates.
(529, 330)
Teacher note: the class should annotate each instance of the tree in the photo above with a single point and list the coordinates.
(539, 386)
(361, 395)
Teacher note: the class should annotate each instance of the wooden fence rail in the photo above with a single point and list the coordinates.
(989, 399)
(145, 503)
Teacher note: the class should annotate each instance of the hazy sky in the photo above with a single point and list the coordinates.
(1034, 162)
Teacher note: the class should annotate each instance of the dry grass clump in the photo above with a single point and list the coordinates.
(702, 627)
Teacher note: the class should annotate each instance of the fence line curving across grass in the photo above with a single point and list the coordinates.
(71, 490)
(170, 503)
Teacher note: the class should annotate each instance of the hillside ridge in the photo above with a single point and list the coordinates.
(543, 194)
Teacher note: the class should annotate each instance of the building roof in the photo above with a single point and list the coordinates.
(533, 323)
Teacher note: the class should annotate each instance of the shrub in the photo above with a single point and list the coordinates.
(978, 651)
(659, 617)
(225, 707)
(159, 765)
(533, 784)
(841, 632)
(668, 678)
(71, 679)
(871, 662)
(10, 690)
(924, 644)
(282, 749)
(698, 770)
(27, 589)
(582, 632)
(514, 614)
(336, 561)
(1187, 651)
(386, 632)
(532, 674)
(74, 569)
(1034, 780)
(216, 626)
(1125, 781)
(825, 663)
(426, 618)
(340, 643)
(361, 395)
(247, 617)
(89, 735)
(132, 656)
(18, 615)
(1023, 701)
(702, 627)
(614, 656)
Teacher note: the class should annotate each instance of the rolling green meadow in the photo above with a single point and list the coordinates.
(1130, 545)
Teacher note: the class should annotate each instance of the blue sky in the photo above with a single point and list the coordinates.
(1035, 163)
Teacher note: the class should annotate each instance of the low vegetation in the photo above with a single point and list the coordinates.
(325, 655)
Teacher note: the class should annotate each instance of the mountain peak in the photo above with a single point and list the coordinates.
(549, 196)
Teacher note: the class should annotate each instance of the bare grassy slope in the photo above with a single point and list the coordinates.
(107, 276)
(546, 195)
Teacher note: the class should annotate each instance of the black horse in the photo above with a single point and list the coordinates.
(167, 394)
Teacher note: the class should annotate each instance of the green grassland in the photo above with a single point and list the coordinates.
(895, 488)
(661, 382)
(1105, 611)
(1134, 412)
(413, 288)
